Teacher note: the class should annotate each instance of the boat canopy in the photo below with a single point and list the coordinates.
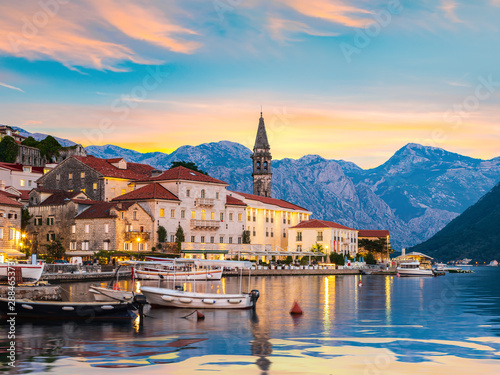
(215, 263)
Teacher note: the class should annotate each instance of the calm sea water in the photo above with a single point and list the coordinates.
(390, 325)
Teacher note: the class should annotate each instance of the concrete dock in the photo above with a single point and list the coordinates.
(84, 276)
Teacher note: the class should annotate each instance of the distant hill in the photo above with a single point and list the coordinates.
(474, 234)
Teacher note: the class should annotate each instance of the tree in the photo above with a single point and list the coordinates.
(245, 238)
(25, 218)
(162, 234)
(370, 259)
(378, 245)
(179, 237)
(8, 150)
(55, 250)
(49, 147)
(30, 142)
(337, 258)
(187, 164)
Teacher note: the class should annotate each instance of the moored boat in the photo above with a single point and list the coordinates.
(31, 273)
(151, 274)
(102, 294)
(414, 269)
(29, 309)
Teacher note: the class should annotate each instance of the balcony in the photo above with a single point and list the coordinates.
(135, 234)
(205, 224)
(205, 202)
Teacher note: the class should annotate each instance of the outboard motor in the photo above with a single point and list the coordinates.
(139, 302)
(254, 296)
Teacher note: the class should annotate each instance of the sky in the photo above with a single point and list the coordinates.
(353, 80)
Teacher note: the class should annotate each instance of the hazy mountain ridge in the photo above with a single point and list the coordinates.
(414, 194)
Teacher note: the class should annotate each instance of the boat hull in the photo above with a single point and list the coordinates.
(31, 273)
(162, 297)
(101, 294)
(28, 309)
(171, 275)
(415, 272)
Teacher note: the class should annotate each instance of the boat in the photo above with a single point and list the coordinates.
(31, 273)
(414, 268)
(29, 309)
(179, 298)
(175, 269)
(459, 270)
(464, 263)
(102, 294)
(493, 263)
(150, 274)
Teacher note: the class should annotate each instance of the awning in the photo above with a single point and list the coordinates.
(82, 253)
(12, 253)
(205, 251)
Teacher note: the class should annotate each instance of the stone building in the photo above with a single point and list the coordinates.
(111, 226)
(333, 237)
(18, 176)
(53, 213)
(261, 158)
(100, 179)
(10, 226)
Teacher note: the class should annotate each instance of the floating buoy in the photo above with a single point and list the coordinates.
(115, 287)
(360, 284)
(296, 310)
(199, 315)
(398, 275)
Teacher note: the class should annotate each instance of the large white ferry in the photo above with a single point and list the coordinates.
(414, 268)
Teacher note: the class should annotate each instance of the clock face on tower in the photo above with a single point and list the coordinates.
(261, 162)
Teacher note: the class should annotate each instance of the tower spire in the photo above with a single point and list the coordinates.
(261, 161)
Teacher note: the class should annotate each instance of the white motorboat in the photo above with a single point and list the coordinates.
(31, 273)
(151, 274)
(175, 269)
(414, 269)
(493, 263)
(102, 294)
(179, 298)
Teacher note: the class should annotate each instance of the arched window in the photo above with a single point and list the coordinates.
(265, 165)
(203, 213)
(258, 165)
(203, 193)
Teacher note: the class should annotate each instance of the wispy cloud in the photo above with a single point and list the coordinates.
(284, 30)
(449, 8)
(10, 87)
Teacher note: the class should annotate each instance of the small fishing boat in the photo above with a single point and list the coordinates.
(31, 273)
(414, 269)
(102, 294)
(177, 297)
(29, 309)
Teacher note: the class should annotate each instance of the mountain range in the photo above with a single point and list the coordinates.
(474, 234)
(416, 193)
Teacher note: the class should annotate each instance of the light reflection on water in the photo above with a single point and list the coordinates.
(387, 326)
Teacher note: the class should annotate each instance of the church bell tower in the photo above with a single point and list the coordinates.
(261, 162)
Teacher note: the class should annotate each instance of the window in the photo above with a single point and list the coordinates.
(222, 216)
(39, 221)
(87, 228)
(230, 239)
(50, 221)
(106, 228)
(221, 239)
(126, 246)
(162, 212)
(267, 232)
(217, 195)
(239, 240)
(284, 220)
(172, 238)
(202, 216)
(254, 233)
(202, 239)
(141, 246)
(82, 190)
(265, 165)
(193, 215)
(124, 191)
(188, 192)
(299, 247)
(320, 236)
(94, 186)
(85, 245)
(254, 217)
(212, 216)
(1, 233)
(249, 217)
(82, 175)
(73, 228)
(212, 239)
(11, 233)
(284, 233)
(134, 215)
(183, 214)
(230, 216)
(105, 245)
(48, 237)
(299, 236)
(272, 233)
(239, 217)
(203, 193)
(29, 182)
(22, 182)
(193, 239)
(70, 190)
(70, 176)
(72, 245)
(172, 214)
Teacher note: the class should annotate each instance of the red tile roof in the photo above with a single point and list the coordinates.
(232, 201)
(134, 171)
(59, 198)
(183, 173)
(151, 191)
(19, 167)
(113, 160)
(100, 210)
(25, 194)
(315, 223)
(273, 201)
(6, 201)
(373, 233)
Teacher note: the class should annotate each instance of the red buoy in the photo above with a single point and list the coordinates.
(296, 310)
(199, 315)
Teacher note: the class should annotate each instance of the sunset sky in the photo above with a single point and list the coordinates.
(353, 80)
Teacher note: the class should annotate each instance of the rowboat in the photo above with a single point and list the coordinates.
(31, 273)
(29, 309)
(102, 294)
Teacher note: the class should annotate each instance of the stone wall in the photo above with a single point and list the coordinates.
(10, 226)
